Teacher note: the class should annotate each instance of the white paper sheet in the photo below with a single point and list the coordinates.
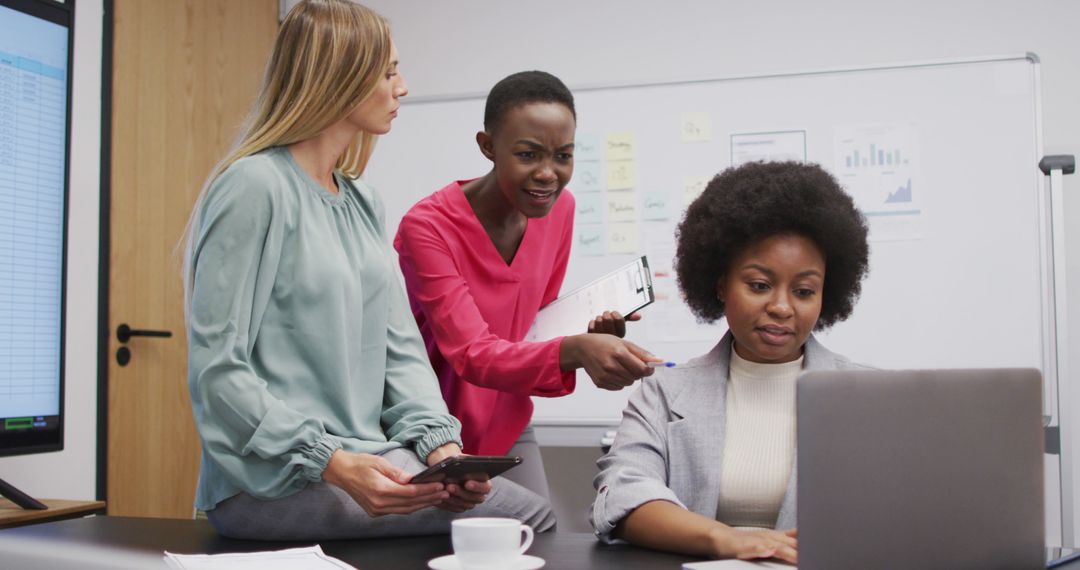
(623, 290)
(737, 565)
(775, 146)
(309, 558)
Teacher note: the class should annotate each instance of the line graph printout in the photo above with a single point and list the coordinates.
(33, 109)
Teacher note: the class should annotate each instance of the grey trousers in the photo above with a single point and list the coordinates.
(323, 512)
(530, 474)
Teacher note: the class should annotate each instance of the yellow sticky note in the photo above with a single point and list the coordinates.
(622, 207)
(693, 186)
(620, 146)
(623, 237)
(622, 175)
(696, 127)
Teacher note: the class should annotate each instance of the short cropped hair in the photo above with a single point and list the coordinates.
(522, 88)
(744, 205)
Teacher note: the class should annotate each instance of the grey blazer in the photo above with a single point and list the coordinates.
(671, 440)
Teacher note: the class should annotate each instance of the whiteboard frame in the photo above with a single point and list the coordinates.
(1029, 56)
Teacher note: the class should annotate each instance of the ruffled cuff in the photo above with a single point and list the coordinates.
(436, 437)
(318, 455)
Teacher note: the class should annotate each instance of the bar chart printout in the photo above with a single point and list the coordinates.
(877, 165)
(33, 115)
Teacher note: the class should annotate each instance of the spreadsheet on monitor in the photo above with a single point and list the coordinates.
(33, 107)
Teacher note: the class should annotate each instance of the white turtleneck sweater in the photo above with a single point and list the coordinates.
(759, 445)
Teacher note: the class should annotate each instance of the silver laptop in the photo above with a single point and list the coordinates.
(920, 469)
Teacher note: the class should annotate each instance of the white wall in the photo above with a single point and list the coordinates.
(70, 474)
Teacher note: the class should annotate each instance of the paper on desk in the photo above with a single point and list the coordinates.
(311, 557)
(737, 565)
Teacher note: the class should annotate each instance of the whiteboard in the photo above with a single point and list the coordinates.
(956, 279)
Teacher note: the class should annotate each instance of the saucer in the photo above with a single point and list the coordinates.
(450, 562)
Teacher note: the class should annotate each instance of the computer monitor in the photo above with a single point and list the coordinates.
(35, 117)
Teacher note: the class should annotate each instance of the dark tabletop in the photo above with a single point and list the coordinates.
(574, 551)
(560, 550)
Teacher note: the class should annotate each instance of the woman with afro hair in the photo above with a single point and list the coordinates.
(704, 459)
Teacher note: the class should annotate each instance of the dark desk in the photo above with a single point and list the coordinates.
(562, 551)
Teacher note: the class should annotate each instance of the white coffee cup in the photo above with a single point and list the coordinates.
(483, 543)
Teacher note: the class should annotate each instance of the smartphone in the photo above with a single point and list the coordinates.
(465, 467)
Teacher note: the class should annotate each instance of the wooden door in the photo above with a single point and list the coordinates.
(184, 75)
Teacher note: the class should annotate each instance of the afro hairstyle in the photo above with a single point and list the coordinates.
(743, 205)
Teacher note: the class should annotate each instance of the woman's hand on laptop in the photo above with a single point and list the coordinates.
(752, 544)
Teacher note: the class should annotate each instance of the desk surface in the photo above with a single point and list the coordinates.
(14, 515)
(560, 550)
(152, 536)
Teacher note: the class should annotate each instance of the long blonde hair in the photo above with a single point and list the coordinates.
(327, 59)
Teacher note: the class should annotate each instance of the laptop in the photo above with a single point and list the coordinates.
(920, 469)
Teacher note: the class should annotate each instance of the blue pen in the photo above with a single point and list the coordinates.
(665, 364)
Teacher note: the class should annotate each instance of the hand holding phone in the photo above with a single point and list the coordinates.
(461, 468)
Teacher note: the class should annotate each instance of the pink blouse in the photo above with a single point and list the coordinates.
(474, 310)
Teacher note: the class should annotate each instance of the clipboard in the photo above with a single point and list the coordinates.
(627, 290)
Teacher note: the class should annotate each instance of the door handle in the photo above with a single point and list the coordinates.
(124, 333)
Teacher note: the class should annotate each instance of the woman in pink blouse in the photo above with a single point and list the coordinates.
(480, 257)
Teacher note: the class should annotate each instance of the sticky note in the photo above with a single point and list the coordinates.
(623, 237)
(620, 146)
(590, 208)
(622, 175)
(587, 147)
(654, 205)
(693, 186)
(695, 127)
(622, 207)
(588, 177)
(589, 239)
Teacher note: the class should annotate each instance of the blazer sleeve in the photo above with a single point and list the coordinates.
(635, 470)
(461, 333)
(235, 260)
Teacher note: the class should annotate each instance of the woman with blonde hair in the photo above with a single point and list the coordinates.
(310, 386)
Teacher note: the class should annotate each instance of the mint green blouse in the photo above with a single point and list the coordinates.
(300, 337)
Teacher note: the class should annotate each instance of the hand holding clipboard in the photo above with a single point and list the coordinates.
(611, 362)
(627, 290)
(612, 322)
